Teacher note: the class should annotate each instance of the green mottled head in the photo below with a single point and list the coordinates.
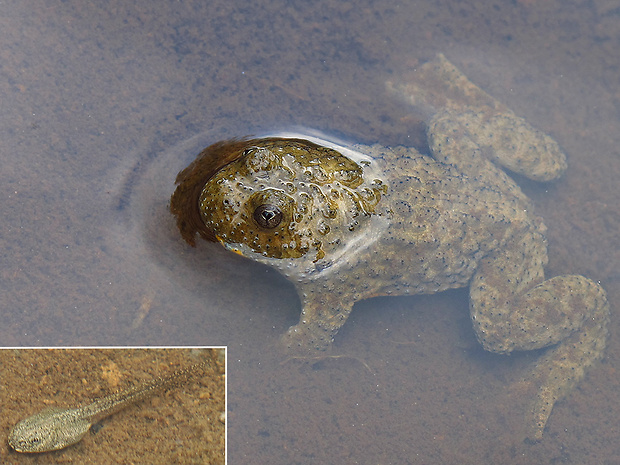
(278, 198)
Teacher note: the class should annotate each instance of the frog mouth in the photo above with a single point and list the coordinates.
(227, 246)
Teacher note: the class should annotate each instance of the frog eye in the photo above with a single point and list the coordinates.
(268, 216)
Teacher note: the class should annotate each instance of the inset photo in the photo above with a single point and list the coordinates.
(113, 405)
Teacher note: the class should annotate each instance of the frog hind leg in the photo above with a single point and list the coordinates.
(505, 139)
(514, 308)
(462, 110)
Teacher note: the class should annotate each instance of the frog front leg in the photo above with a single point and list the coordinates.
(324, 311)
(513, 307)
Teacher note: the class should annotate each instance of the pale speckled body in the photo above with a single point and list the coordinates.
(449, 220)
(56, 428)
(438, 228)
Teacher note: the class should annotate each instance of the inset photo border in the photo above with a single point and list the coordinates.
(182, 420)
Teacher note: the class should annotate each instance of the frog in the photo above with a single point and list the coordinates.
(348, 222)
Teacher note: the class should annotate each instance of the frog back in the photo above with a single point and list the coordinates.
(441, 224)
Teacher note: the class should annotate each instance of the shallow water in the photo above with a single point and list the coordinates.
(103, 105)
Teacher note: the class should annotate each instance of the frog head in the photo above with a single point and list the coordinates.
(287, 202)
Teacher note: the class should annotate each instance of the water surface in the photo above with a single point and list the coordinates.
(103, 103)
